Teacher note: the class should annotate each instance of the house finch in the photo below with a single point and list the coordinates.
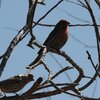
(56, 39)
(16, 83)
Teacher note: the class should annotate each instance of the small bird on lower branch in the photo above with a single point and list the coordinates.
(16, 83)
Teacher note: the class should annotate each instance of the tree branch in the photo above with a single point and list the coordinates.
(63, 54)
(17, 39)
(95, 28)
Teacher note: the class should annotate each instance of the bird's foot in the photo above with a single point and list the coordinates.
(50, 75)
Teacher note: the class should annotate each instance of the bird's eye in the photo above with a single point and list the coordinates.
(63, 26)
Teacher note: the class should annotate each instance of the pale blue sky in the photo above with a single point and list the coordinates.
(13, 15)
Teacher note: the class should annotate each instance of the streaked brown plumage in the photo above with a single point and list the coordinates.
(16, 83)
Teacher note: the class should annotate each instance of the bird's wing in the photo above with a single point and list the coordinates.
(9, 81)
(51, 36)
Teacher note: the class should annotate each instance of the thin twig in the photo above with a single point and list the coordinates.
(38, 60)
(54, 92)
(98, 3)
(28, 93)
(90, 58)
(21, 34)
(61, 71)
(71, 25)
(60, 65)
(58, 73)
(74, 3)
(73, 16)
(47, 85)
(83, 5)
(16, 40)
(47, 13)
(59, 91)
(95, 28)
(89, 83)
(73, 87)
(63, 54)
(43, 16)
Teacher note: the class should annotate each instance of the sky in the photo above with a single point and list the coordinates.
(13, 17)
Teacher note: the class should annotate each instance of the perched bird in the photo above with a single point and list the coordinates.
(16, 83)
(58, 36)
(56, 39)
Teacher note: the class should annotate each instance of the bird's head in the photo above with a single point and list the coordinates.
(28, 77)
(62, 24)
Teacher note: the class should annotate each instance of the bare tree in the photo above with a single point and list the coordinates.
(56, 87)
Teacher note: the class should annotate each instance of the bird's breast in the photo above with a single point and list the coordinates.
(58, 41)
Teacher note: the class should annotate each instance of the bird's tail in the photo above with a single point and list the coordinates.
(37, 59)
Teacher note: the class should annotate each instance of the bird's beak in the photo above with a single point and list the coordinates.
(68, 23)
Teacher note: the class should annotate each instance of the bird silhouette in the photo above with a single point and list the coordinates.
(56, 39)
(16, 83)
